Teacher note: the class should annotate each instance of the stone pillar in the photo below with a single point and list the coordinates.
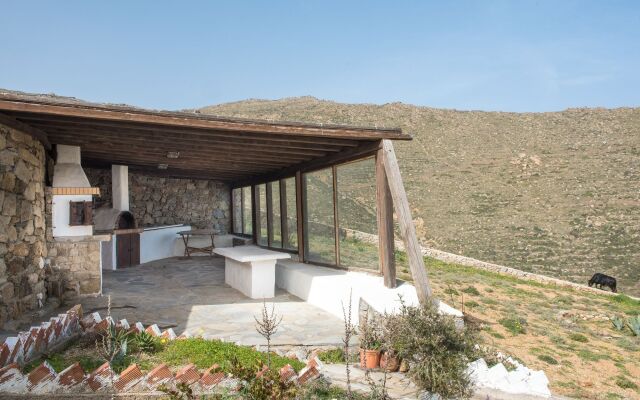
(120, 187)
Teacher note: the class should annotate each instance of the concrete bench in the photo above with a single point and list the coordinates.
(251, 270)
(329, 289)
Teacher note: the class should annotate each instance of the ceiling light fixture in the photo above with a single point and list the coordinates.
(163, 166)
(173, 154)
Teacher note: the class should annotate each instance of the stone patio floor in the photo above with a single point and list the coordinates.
(190, 295)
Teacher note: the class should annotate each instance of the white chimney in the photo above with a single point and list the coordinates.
(68, 172)
(120, 187)
(70, 184)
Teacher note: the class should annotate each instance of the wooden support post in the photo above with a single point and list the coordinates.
(300, 216)
(269, 201)
(384, 208)
(334, 174)
(284, 220)
(407, 230)
(232, 208)
(255, 202)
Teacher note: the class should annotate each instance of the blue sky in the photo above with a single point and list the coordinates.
(486, 55)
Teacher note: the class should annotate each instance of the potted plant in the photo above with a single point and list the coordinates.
(370, 345)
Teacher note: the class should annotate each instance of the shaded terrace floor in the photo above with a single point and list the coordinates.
(190, 295)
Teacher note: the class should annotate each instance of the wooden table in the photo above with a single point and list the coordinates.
(251, 270)
(197, 232)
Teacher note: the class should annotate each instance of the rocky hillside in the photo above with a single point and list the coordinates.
(556, 193)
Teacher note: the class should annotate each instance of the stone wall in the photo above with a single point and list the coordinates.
(76, 259)
(164, 201)
(22, 223)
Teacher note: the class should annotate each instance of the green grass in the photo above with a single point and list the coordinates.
(514, 325)
(59, 361)
(204, 353)
(578, 337)
(471, 290)
(333, 356)
(588, 355)
(471, 304)
(548, 359)
(625, 383)
(626, 301)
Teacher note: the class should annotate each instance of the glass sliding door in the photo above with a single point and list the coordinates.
(320, 241)
(357, 219)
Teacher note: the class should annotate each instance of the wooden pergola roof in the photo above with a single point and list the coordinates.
(210, 147)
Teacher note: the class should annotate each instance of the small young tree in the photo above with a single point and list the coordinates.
(267, 326)
(349, 330)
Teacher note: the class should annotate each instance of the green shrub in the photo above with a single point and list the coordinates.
(146, 343)
(257, 383)
(578, 337)
(634, 325)
(451, 291)
(625, 383)
(438, 351)
(514, 325)
(618, 323)
(548, 359)
(471, 290)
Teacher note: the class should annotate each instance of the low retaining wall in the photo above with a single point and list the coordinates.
(49, 336)
(17, 351)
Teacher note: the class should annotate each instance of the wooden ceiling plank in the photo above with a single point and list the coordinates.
(180, 144)
(365, 150)
(319, 143)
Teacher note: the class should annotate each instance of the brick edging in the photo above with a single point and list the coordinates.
(17, 351)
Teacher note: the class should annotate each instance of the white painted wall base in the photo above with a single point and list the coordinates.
(329, 289)
(160, 242)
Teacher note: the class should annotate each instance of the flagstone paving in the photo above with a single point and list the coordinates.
(190, 295)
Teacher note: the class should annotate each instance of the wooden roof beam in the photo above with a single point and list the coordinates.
(114, 113)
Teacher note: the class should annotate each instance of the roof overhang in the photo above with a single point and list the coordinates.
(208, 147)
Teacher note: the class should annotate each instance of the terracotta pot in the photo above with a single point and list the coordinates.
(404, 366)
(389, 362)
(372, 359)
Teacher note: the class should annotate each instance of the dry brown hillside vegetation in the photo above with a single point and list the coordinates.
(556, 193)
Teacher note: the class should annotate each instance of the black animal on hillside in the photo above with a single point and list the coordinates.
(601, 280)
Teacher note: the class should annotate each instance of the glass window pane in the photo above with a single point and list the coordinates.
(320, 238)
(236, 209)
(291, 239)
(276, 234)
(247, 215)
(262, 210)
(357, 217)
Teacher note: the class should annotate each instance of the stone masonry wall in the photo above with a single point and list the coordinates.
(164, 201)
(22, 223)
(78, 259)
